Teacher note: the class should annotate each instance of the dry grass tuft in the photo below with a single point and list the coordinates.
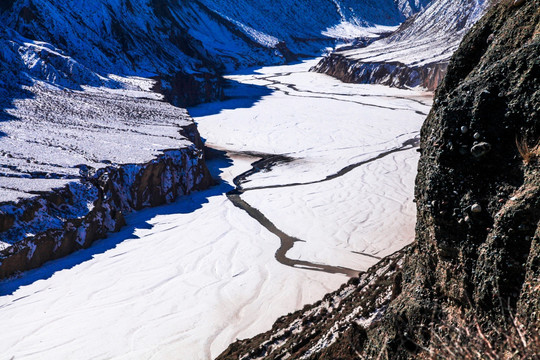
(527, 153)
(467, 340)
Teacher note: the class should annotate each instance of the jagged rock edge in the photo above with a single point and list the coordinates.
(393, 74)
(114, 192)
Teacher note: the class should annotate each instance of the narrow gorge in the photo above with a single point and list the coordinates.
(468, 286)
(177, 175)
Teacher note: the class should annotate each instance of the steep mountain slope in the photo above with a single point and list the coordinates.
(129, 38)
(78, 81)
(469, 285)
(411, 7)
(416, 54)
(143, 37)
(289, 21)
(184, 44)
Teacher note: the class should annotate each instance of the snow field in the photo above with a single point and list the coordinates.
(57, 130)
(367, 211)
(185, 280)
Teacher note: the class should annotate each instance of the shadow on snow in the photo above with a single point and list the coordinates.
(237, 96)
(137, 220)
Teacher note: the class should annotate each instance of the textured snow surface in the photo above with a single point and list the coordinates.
(410, 7)
(299, 23)
(367, 121)
(46, 138)
(185, 280)
(366, 211)
(431, 36)
(74, 41)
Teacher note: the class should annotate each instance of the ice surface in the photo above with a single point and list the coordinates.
(367, 211)
(185, 280)
(345, 124)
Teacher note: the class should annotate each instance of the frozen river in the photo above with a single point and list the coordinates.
(333, 194)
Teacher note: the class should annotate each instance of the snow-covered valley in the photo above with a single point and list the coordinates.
(186, 279)
(417, 54)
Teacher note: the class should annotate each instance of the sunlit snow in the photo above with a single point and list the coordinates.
(185, 280)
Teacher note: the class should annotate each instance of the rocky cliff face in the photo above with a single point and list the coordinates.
(86, 89)
(390, 73)
(477, 196)
(73, 217)
(416, 54)
(469, 285)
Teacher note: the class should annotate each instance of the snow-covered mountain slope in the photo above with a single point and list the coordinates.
(306, 25)
(146, 37)
(411, 7)
(78, 83)
(417, 54)
(187, 44)
(134, 37)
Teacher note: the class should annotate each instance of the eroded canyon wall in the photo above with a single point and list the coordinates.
(469, 285)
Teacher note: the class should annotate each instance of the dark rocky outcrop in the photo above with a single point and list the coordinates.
(470, 283)
(393, 74)
(184, 89)
(75, 216)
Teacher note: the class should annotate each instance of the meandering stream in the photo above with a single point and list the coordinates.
(315, 183)
(287, 242)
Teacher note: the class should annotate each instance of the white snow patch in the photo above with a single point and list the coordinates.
(187, 279)
(349, 31)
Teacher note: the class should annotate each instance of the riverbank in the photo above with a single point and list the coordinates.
(187, 279)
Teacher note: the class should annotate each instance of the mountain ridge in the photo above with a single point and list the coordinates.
(416, 54)
(469, 284)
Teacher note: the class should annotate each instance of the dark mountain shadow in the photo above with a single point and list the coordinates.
(137, 220)
(11, 89)
(254, 70)
(237, 96)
